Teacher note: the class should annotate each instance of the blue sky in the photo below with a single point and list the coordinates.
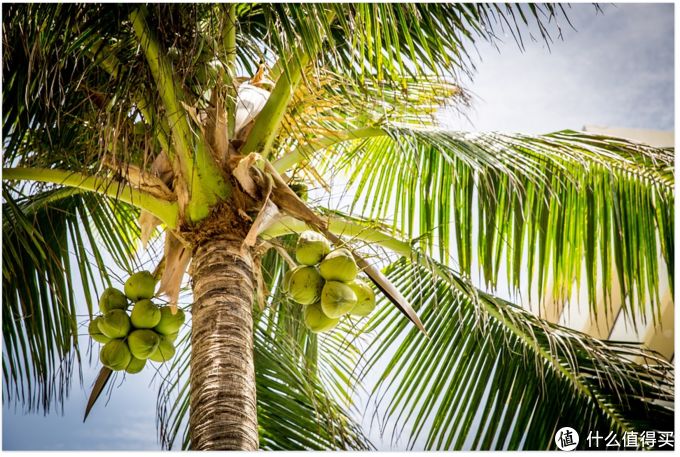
(615, 70)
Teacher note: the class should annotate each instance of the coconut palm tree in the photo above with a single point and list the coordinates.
(202, 128)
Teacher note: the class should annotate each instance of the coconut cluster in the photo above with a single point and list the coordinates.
(326, 283)
(132, 328)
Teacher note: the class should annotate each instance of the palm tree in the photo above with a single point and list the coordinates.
(132, 121)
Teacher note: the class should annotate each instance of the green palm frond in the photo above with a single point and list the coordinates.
(494, 376)
(54, 244)
(86, 84)
(55, 107)
(295, 409)
(419, 40)
(89, 76)
(355, 41)
(553, 202)
(328, 110)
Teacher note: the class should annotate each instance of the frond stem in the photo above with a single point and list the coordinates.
(170, 94)
(229, 44)
(164, 210)
(292, 158)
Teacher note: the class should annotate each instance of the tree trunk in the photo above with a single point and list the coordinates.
(223, 414)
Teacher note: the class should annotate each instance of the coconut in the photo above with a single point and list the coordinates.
(135, 366)
(316, 320)
(305, 285)
(164, 352)
(339, 265)
(114, 324)
(337, 299)
(145, 314)
(95, 333)
(311, 248)
(143, 343)
(365, 298)
(169, 323)
(115, 355)
(112, 298)
(140, 285)
(171, 337)
(285, 283)
(301, 190)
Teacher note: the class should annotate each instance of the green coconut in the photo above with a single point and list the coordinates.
(115, 324)
(95, 333)
(143, 343)
(339, 265)
(171, 337)
(145, 314)
(140, 285)
(337, 299)
(365, 298)
(316, 320)
(115, 354)
(208, 72)
(305, 285)
(300, 189)
(136, 365)
(285, 284)
(112, 298)
(311, 248)
(174, 54)
(169, 323)
(164, 352)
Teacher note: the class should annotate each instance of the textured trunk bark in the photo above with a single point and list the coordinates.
(223, 413)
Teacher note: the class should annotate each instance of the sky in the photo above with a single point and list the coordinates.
(616, 69)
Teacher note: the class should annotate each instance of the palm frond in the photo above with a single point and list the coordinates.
(329, 110)
(419, 40)
(295, 410)
(76, 85)
(55, 95)
(555, 202)
(494, 376)
(54, 242)
(77, 89)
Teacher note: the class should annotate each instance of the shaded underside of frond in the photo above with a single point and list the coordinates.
(493, 376)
